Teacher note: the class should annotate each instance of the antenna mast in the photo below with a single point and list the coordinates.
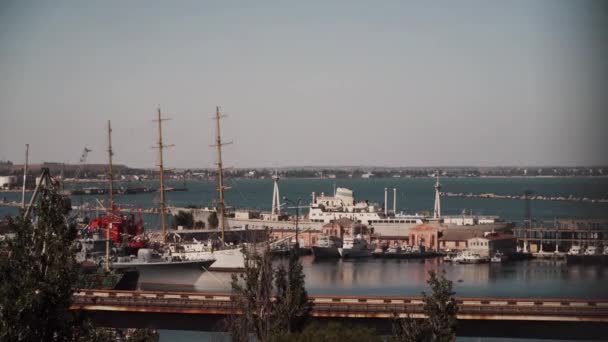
(220, 173)
(110, 193)
(437, 210)
(162, 174)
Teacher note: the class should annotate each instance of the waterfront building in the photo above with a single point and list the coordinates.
(488, 245)
(563, 234)
(306, 238)
(426, 235)
(456, 238)
(339, 228)
(469, 220)
(7, 182)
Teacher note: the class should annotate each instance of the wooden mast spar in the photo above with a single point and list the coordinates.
(160, 147)
(110, 193)
(220, 174)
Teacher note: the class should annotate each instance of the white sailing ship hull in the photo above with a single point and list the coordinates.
(179, 274)
(229, 260)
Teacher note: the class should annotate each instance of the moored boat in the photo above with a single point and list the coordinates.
(327, 247)
(355, 247)
(163, 268)
(498, 257)
(468, 257)
(591, 255)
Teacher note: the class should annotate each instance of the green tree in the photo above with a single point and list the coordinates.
(440, 309)
(212, 220)
(292, 304)
(183, 218)
(254, 298)
(262, 316)
(37, 275)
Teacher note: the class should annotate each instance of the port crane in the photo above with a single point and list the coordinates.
(82, 162)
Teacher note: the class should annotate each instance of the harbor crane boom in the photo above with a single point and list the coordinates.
(82, 162)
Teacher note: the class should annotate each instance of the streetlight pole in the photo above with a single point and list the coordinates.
(297, 206)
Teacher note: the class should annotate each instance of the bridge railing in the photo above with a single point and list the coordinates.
(368, 306)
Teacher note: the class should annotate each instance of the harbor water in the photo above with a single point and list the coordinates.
(534, 278)
(413, 195)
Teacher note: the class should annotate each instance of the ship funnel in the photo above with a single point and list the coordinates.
(394, 200)
(385, 201)
(314, 197)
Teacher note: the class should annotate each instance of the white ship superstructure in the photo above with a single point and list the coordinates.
(343, 205)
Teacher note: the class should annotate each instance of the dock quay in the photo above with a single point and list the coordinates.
(405, 255)
(476, 316)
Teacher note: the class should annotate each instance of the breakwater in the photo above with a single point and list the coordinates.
(570, 198)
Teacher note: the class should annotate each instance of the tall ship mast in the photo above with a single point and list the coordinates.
(160, 147)
(110, 193)
(220, 174)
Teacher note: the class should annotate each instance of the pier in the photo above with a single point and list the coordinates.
(507, 317)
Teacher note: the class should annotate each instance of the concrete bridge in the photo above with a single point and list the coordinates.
(506, 317)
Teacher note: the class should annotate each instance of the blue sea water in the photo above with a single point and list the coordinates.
(413, 195)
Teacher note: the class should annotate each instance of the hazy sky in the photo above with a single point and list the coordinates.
(395, 83)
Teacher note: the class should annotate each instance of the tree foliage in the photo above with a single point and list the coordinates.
(183, 218)
(292, 302)
(440, 310)
(37, 275)
(212, 220)
(265, 318)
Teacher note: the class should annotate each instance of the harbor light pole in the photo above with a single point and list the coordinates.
(297, 206)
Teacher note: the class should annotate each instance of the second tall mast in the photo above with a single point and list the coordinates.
(110, 193)
(220, 174)
(160, 147)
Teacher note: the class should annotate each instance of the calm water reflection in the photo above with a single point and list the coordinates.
(377, 277)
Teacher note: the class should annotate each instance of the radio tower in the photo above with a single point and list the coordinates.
(437, 211)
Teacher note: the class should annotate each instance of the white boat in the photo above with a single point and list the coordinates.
(355, 248)
(449, 257)
(165, 268)
(394, 249)
(575, 250)
(230, 258)
(591, 250)
(498, 257)
(468, 257)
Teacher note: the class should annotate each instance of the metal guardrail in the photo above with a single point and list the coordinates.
(347, 306)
